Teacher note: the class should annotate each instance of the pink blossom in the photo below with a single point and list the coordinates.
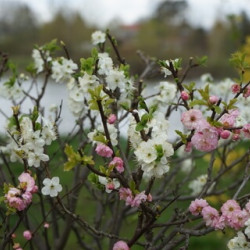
(139, 198)
(228, 120)
(211, 216)
(246, 130)
(213, 99)
(206, 139)
(27, 235)
(13, 236)
(118, 163)
(235, 88)
(184, 95)
(246, 92)
(126, 195)
(120, 245)
(229, 207)
(238, 219)
(112, 119)
(104, 150)
(224, 134)
(190, 118)
(13, 198)
(27, 198)
(197, 205)
(27, 182)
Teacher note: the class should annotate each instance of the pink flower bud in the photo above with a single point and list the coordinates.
(112, 119)
(120, 245)
(104, 150)
(27, 235)
(213, 99)
(184, 95)
(235, 88)
(13, 236)
(46, 225)
(225, 134)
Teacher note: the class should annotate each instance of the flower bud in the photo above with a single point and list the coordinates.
(184, 95)
(225, 134)
(213, 99)
(27, 235)
(235, 88)
(112, 119)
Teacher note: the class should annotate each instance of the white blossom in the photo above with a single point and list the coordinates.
(62, 69)
(98, 37)
(105, 64)
(197, 184)
(167, 92)
(239, 242)
(51, 186)
(115, 79)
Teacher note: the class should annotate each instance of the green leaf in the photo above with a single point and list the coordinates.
(231, 103)
(202, 60)
(197, 102)
(52, 46)
(217, 109)
(183, 136)
(31, 68)
(139, 127)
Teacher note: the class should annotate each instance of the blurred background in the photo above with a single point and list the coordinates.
(164, 29)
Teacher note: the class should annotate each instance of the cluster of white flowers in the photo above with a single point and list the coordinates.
(240, 242)
(62, 69)
(13, 92)
(166, 71)
(197, 184)
(38, 60)
(78, 93)
(29, 145)
(152, 154)
(115, 78)
(167, 92)
(113, 133)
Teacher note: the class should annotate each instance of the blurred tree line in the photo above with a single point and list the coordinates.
(165, 35)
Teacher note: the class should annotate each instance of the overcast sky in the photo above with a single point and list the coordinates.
(101, 12)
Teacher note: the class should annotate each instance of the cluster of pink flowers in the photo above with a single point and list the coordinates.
(131, 200)
(206, 137)
(103, 150)
(231, 214)
(236, 89)
(20, 197)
